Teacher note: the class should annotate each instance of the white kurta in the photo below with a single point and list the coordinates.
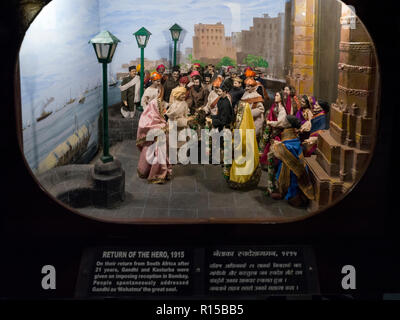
(177, 117)
(257, 110)
(211, 98)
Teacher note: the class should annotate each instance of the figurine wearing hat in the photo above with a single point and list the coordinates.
(130, 93)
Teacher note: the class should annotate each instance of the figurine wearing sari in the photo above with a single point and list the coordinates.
(318, 124)
(292, 176)
(305, 116)
(153, 162)
(276, 122)
(292, 102)
(245, 171)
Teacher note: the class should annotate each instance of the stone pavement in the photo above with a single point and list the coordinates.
(196, 193)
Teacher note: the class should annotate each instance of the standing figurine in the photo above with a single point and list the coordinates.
(153, 162)
(130, 93)
(256, 102)
(245, 171)
(156, 90)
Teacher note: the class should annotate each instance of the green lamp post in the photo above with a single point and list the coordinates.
(142, 38)
(104, 45)
(175, 33)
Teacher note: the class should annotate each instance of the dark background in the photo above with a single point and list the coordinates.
(361, 230)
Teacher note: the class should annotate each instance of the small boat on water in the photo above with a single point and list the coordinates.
(113, 82)
(71, 100)
(44, 115)
(82, 99)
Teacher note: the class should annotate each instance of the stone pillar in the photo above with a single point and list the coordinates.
(109, 184)
(303, 31)
(355, 109)
(344, 150)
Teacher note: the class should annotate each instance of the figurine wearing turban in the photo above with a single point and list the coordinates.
(156, 90)
(256, 103)
(177, 114)
(161, 70)
(213, 97)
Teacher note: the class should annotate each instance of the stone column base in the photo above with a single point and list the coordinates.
(109, 184)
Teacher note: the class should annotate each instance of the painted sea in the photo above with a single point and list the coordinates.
(40, 138)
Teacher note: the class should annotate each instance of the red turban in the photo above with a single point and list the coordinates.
(184, 80)
(160, 66)
(194, 73)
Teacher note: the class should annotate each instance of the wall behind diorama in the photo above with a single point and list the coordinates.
(61, 81)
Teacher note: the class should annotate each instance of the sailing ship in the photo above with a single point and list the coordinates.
(70, 98)
(45, 113)
(82, 99)
(113, 82)
(68, 152)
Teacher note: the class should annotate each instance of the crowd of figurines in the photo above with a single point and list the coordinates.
(286, 127)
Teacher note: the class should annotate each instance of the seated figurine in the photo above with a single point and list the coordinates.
(292, 176)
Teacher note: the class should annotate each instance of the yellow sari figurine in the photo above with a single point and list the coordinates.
(245, 171)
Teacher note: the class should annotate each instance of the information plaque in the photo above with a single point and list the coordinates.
(218, 272)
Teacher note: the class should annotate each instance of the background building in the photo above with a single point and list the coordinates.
(265, 39)
(210, 44)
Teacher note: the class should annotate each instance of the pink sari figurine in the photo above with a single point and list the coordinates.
(153, 163)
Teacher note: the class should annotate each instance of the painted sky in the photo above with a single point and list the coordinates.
(55, 58)
(124, 17)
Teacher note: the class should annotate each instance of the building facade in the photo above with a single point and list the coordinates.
(210, 43)
(266, 39)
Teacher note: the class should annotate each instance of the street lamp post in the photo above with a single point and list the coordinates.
(175, 33)
(104, 45)
(142, 38)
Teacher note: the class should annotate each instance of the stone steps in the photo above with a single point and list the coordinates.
(340, 161)
(327, 189)
(119, 128)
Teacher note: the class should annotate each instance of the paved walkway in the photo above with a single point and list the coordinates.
(196, 193)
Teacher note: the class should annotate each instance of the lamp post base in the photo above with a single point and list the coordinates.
(106, 159)
(109, 184)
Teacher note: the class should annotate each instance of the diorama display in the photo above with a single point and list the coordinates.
(244, 112)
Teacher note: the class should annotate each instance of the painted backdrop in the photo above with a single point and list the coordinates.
(61, 84)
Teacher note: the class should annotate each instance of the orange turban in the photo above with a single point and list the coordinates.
(250, 73)
(217, 82)
(250, 82)
(155, 76)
